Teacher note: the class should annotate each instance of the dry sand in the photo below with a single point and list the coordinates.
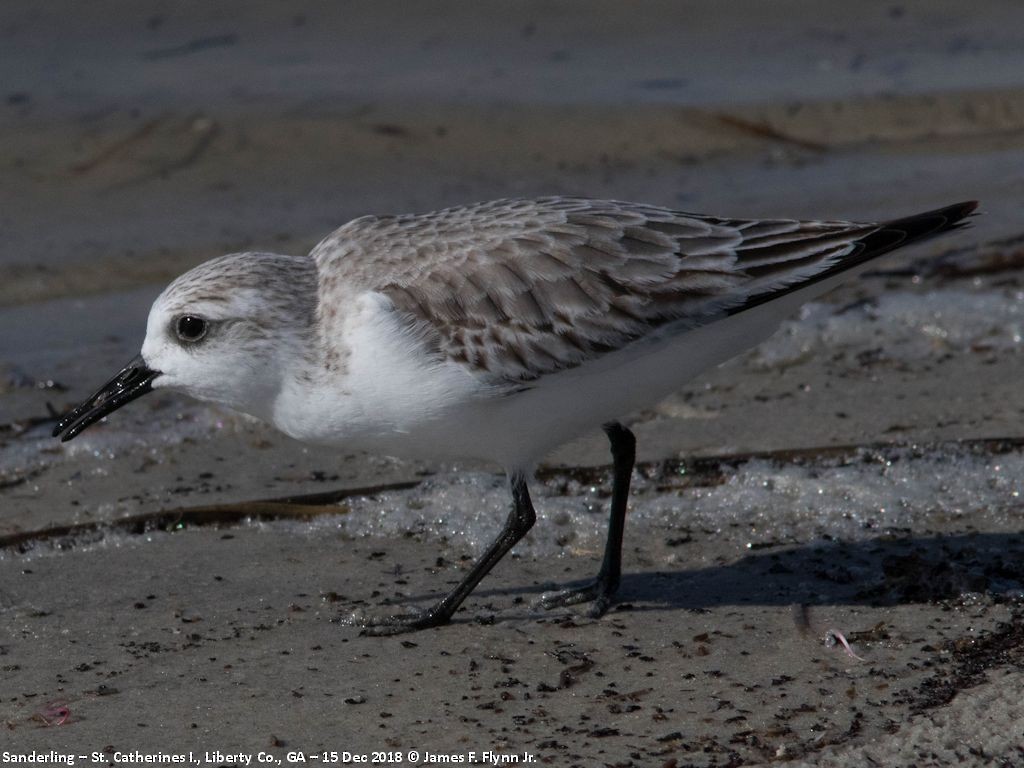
(136, 142)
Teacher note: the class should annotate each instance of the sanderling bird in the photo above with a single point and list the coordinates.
(494, 331)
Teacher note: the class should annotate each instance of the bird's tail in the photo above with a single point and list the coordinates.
(899, 232)
(888, 236)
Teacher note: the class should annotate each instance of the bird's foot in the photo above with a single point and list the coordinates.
(598, 593)
(400, 623)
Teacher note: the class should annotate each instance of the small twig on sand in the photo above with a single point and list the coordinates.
(765, 131)
(302, 507)
(206, 129)
(116, 147)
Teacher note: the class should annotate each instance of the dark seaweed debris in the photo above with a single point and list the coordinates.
(971, 658)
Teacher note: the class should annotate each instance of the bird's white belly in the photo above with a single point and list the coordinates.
(388, 396)
(394, 399)
(526, 427)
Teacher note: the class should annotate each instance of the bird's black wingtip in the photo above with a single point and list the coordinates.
(932, 222)
(962, 210)
(920, 226)
(888, 236)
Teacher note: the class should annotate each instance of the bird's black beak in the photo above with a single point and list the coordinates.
(134, 380)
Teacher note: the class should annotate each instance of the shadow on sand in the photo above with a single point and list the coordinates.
(877, 572)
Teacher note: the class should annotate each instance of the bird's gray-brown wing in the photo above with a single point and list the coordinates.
(518, 289)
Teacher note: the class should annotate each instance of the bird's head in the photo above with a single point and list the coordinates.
(228, 331)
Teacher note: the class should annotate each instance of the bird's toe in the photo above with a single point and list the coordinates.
(399, 623)
(598, 593)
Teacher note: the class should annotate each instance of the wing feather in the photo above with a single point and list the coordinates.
(518, 289)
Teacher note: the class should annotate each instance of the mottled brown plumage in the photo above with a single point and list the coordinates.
(517, 289)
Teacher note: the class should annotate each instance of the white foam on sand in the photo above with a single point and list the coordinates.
(771, 502)
(903, 326)
(105, 451)
(757, 503)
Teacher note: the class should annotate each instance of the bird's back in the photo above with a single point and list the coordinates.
(514, 290)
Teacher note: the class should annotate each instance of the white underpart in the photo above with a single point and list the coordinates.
(388, 396)
(394, 398)
(518, 431)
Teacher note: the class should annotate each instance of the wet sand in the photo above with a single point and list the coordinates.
(139, 142)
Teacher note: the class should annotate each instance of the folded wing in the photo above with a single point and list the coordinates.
(519, 289)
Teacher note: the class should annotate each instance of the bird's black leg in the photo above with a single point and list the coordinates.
(520, 519)
(601, 590)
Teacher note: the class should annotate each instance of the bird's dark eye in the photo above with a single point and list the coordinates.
(191, 328)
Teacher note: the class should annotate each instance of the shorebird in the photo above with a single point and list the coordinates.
(494, 331)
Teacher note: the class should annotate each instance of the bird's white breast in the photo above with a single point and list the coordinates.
(386, 394)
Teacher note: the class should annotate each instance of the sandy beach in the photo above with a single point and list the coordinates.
(183, 579)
